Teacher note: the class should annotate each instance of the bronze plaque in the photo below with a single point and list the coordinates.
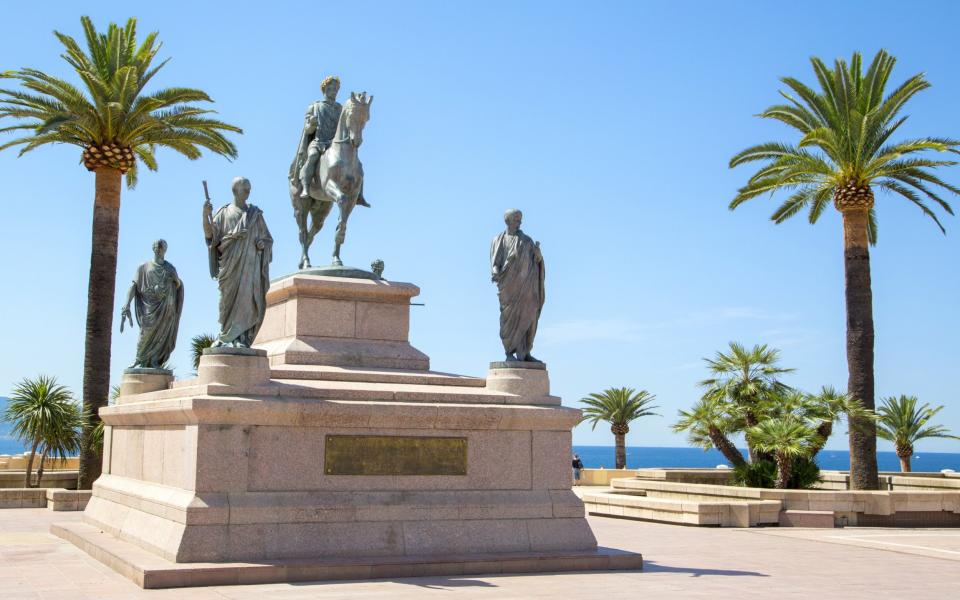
(394, 455)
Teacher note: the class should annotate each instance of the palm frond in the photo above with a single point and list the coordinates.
(112, 104)
(846, 125)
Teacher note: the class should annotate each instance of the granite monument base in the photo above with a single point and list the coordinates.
(339, 321)
(269, 471)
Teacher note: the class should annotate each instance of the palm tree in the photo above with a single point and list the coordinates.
(198, 344)
(843, 154)
(708, 427)
(787, 438)
(96, 434)
(902, 422)
(619, 407)
(63, 439)
(829, 407)
(745, 379)
(39, 409)
(115, 123)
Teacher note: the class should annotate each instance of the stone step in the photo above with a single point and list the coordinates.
(151, 571)
(328, 373)
(716, 513)
(807, 518)
(395, 392)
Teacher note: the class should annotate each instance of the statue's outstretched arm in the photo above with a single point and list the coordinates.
(125, 311)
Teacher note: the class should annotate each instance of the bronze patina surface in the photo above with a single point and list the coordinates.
(394, 455)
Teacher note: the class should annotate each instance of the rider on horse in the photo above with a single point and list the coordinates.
(318, 130)
(320, 126)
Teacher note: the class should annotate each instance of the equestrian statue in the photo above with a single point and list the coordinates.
(326, 169)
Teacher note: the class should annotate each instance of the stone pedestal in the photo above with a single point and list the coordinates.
(333, 468)
(140, 381)
(239, 368)
(527, 379)
(338, 321)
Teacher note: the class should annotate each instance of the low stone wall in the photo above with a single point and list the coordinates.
(54, 499)
(707, 476)
(60, 499)
(23, 498)
(832, 480)
(18, 462)
(603, 476)
(731, 506)
(51, 479)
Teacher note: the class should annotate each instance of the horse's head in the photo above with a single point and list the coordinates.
(356, 113)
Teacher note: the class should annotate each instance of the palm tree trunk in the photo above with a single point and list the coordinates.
(824, 430)
(859, 297)
(29, 470)
(751, 421)
(621, 453)
(43, 459)
(905, 464)
(784, 468)
(726, 447)
(904, 453)
(100, 295)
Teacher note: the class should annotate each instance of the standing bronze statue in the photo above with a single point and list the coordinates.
(326, 169)
(157, 295)
(516, 266)
(240, 250)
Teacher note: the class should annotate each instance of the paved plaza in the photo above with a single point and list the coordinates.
(681, 562)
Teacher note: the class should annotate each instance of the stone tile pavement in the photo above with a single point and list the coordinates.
(681, 562)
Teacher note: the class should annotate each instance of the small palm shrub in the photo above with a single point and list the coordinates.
(804, 474)
(45, 417)
(198, 344)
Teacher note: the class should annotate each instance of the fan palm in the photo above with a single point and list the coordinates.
(787, 438)
(844, 153)
(116, 124)
(39, 410)
(198, 344)
(63, 439)
(708, 427)
(619, 407)
(745, 378)
(902, 422)
(829, 407)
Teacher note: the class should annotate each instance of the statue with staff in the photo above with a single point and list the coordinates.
(240, 249)
(326, 170)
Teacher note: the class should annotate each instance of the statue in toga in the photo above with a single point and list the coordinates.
(516, 266)
(240, 250)
(157, 295)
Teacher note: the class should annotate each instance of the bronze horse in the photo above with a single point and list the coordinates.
(338, 179)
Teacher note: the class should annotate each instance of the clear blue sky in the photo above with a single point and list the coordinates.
(610, 124)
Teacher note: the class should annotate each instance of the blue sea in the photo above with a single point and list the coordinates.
(637, 457)
(835, 460)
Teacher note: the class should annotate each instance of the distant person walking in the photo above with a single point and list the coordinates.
(577, 467)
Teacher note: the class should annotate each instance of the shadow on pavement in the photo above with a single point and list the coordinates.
(433, 583)
(650, 566)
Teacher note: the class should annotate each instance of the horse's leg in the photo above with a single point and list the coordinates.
(300, 215)
(346, 207)
(318, 215)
